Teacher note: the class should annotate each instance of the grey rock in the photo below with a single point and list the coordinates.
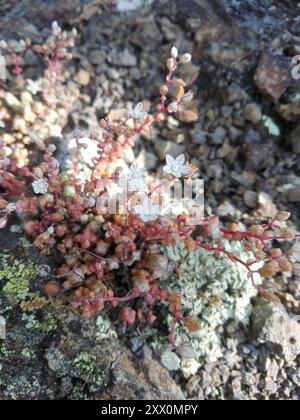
(170, 360)
(259, 156)
(215, 171)
(164, 147)
(234, 93)
(32, 59)
(293, 195)
(281, 332)
(147, 160)
(199, 136)
(252, 136)
(252, 112)
(112, 73)
(273, 75)
(97, 57)
(83, 77)
(250, 199)
(295, 139)
(123, 58)
(218, 136)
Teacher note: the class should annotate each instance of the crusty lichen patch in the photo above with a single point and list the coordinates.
(16, 276)
(105, 330)
(216, 291)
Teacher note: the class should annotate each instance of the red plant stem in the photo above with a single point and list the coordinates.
(261, 237)
(130, 296)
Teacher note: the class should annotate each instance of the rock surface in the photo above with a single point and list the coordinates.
(48, 352)
(272, 325)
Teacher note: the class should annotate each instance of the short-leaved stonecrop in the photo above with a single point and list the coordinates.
(28, 106)
(68, 212)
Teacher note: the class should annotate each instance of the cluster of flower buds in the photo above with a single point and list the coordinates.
(176, 87)
(13, 51)
(55, 51)
(57, 44)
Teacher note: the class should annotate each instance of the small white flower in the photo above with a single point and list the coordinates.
(113, 189)
(136, 179)
(40, 186)
(138, 111)
(2, 123)
(148, 210)
(176, 167)
(34, 86)
(174, 53)
(186, 58)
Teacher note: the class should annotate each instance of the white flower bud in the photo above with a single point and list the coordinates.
(56, 30)
(186, 58)
(69, 191)
(174, 53)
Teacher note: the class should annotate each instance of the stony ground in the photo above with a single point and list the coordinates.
(247, 145)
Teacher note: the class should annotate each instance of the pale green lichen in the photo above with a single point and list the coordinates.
(86, 362)
(47, 324)
(90, 369)
(216, 291)
(17, 275)
(28, 353)
(105, 330)
(4, 351)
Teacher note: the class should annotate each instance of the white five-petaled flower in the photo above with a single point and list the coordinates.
(40, 186)
(113, 189)
(2, 123)
(176, 167)
(148, 210)
(34, 86)
(136, 179)
(138, 111)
